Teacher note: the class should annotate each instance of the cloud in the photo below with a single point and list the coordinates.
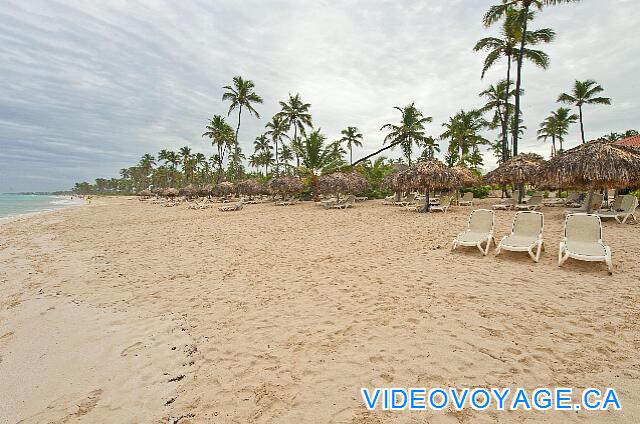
(89, 87)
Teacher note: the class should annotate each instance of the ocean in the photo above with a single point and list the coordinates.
(12, 205)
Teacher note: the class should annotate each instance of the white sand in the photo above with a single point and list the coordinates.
(281, 314)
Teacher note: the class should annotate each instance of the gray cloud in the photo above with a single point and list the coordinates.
(88, 87)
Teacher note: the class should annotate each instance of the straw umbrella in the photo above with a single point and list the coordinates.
(224, 188)
(593, 165)
(341, 182)
(428, 174)
(516, 171)
(170, 192)
(249, 187)
(285, 186)
(144, 193)
(205, 191)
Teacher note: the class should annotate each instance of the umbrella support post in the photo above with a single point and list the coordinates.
(590, 200)
(425, 208)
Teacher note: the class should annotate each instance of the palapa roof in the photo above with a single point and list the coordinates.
(467, 177)
(522, 168)
(595, 164)
(428, 173)
(249, 187)
(341, 182)
(144, 193)
(170, 192)
(285, 185)
(224, 188)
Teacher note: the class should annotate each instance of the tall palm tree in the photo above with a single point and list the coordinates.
(286, 155)
(547, 131)
(497, 100)
(562, 119)
(431, 146)
(515, 25)
(410, 131)
(261, 144)
(241, 95)
(463, 133)
(351, 137)
(277, 129)
(222, 138)
(296, 114)
(584, 93)
(494, 13)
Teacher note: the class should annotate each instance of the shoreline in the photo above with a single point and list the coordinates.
(281, 314)
(20, 216)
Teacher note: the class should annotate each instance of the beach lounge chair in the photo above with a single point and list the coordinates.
(231, 208)
(407, 201)
(445, 202)
(616, 205)
(479, 230)
(348, 202)
(573, 199)
(626, 210)
(361, 198)
(535, 202)
(583, 240)
(526, 234)
(596, 204)
(506, 204)
(467, 199)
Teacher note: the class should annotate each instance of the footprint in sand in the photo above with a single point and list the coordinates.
(131, 349)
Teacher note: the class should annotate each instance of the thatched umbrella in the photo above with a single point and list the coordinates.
(205, 191)
(224, 188)
(144, 193)
(170, 192)
(341, 182)
(516, 171)
(593, 165)
(285, 185)
(188, 191)
(428, 174)
(467, 177)
(249, 187)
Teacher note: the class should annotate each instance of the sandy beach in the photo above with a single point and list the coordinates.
(127, 312)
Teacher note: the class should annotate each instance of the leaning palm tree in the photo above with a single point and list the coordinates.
(351, 137)
(524, 7)
(241, 95)
(584, 93)
(277, 130)
(497, 98)
(410, 131)
(296, 114)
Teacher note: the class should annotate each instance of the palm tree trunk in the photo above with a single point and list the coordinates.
(581, 124)
(277, 165)
(519, 77)
(505, 124)
(377, 152)
(238, 127)
(553, 146)
(295, 142)
(350, 155)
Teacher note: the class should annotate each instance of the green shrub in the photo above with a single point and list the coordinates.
(480, 192)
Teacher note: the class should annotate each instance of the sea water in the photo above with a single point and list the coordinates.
(12, 205)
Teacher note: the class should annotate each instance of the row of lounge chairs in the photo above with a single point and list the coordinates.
(443, 203)
(582, 236)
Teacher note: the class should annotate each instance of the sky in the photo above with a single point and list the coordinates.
(87, 88)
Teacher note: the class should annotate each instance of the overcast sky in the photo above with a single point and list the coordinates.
(86, 88)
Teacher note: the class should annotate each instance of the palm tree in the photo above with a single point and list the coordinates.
(409, 131)
(462, 131)
(562, 119)
(317, 157)
(277, 130)
(222, 137)
(265, 158)
(431, 146)
(241, 95)
(547, 131)
(515, 25)
(296, 114)
(261, 144)
(584, 93)
(351, 137)
(497, 99)
(286, 155)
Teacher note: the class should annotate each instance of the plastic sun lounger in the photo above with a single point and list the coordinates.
(583, 240)
(467, 199)
(445, 203)
(628, 206)
(479, 230)
(526, 234)
(509, 203)
(230, 208)
(535, 202)
(411, 197)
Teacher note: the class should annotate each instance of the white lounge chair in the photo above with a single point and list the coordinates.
(411, 197)
(479, 230)
(445, 202)
(230, 208)
(596, 203)
(348, 202)
(535, 202)
(506, 204)
(626, 210)
(526, 234)
(467, 199)
(583, 240)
